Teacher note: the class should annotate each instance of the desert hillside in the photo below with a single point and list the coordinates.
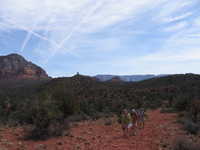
(77, 112)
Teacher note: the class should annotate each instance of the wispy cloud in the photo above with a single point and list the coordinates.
(174, 10)
(176, 27)
(142, 31)
(176, 18)
(197, 21)
(67, 16)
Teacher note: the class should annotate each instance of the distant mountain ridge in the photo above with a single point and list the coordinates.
(128, 78)
(14, 66)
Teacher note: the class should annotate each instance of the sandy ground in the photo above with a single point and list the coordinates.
(159, 133)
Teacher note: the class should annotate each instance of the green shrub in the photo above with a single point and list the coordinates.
(47, 119)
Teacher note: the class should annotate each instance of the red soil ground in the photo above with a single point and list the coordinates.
(159, 132)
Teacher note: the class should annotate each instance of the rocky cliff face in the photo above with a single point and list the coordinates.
(14, 66)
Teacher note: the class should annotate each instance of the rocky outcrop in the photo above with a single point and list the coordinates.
(15, 66)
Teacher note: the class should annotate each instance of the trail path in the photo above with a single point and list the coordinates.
(160, 130)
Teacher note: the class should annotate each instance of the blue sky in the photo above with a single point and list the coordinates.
(103, 36)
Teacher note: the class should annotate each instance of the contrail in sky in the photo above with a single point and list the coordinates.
(79, 25)
(31, 32)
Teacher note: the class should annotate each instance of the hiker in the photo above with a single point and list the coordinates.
(126, 122)
(140, 120)
(134, 119)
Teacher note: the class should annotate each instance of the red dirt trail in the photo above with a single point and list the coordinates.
(158, 134)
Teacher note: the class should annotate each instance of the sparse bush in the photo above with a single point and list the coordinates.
(191, 127)
(78, 117)
(57, 128)
(182, 103)
(185, 144)
(108, 122)
(97, 115)
(181, 120)
(195, 110)
(168, 110)
(181, 114)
